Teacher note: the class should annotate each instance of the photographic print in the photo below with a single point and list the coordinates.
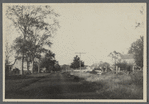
(61, 52)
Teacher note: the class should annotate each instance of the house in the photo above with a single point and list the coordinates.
(118, 57)
(129, 58)
(18, 65)
(126, 61)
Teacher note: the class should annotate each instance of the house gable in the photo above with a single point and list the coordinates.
(129, 58)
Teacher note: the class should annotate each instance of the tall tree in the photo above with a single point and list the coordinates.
(48, 61)
(115, 56)
(76, 63)
(137, 50)
(57, 66)
(20, 48)
(28, 19)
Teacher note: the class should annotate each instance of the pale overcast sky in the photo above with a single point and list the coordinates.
(96, 29)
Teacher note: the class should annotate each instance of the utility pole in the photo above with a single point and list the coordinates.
(80, 58)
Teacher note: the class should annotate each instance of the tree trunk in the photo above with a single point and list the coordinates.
(22, 64)
(33, 65)
(116, 69)
(27, 65)
(39, 66)
(23, 50)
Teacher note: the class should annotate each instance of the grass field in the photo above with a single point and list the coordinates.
(116, 86)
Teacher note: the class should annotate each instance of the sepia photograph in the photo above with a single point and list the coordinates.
(74, 52)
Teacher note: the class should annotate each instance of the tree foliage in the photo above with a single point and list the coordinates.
(137, 50)
(48, 61)
(57, 66)
(114, 55)
(35, 31)
(76, 63)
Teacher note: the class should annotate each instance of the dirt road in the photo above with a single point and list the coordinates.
(55, 86)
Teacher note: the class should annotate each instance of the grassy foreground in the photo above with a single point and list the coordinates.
(14, 83)
(116, 86)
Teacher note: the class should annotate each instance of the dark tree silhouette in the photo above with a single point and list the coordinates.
(48, 61)
(76, 63)
(137, 50)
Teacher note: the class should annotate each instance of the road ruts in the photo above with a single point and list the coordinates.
(56, 86)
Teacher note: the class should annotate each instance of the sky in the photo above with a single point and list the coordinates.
(96, 29)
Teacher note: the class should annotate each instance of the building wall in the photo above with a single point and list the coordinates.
(18, 64)
(130, 61)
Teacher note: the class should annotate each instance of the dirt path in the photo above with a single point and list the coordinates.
(55, 86)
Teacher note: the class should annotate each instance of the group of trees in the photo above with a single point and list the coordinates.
(49, 62)
(115, 56)
(77, 63)
(137, 50)
(35, 32)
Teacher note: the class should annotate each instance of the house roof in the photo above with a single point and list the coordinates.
(127, 56)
